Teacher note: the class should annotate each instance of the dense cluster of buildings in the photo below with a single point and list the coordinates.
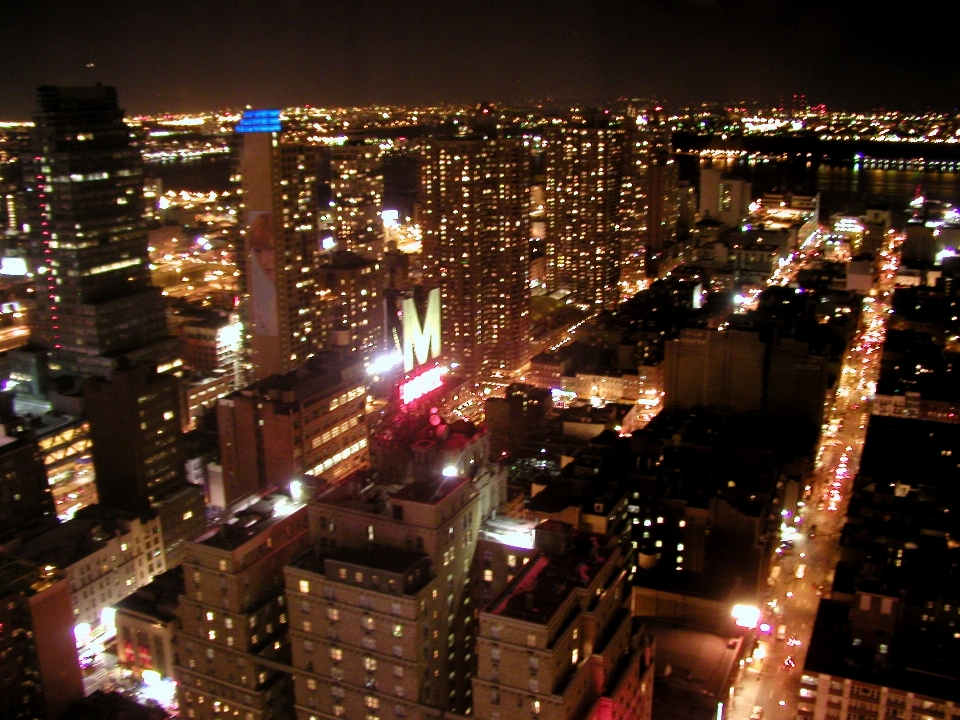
(310, 455)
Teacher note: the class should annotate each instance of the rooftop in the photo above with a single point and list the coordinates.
(18, 575)
(549, 578)
(157, 600)
(318, 375)
(247, 523)
(87, 532)
(832, 652)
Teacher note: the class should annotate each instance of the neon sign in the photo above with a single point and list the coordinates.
(424, 383)
(421, 341)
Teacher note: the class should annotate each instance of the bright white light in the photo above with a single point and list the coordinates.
(231, 335)
(151, 677)
(82, 633)
(296, 490)
(391, 218)
(450, 471)
(384, 363)
(108, 618)
(746, 616)
(328, 243)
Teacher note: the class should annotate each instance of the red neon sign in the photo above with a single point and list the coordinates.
(422, 384)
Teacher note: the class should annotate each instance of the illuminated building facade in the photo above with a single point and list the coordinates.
(634, 209)
(232, 655)
(476, 232)
(282, 241)
(583, 170)
(94, 299)
(105, 553)
(311, 420)
(382, 608)
(39, 670)
(352, 305)
(145, 623)
(356, 192)
(65, 446)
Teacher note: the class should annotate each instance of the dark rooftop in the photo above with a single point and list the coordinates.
(549, 578)
(832, 652)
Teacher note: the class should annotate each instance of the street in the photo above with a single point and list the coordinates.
(769, 683)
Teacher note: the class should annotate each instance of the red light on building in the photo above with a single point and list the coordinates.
(428, 381)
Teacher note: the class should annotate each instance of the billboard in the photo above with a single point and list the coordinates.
(421, 341)
(261, 261)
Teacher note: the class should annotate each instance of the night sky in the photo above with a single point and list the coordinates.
(207, 54)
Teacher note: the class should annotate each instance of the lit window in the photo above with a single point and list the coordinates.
(336, 654)
(305, 586)
(488, 575)
(398, 630)
(511, 560)
(535, 707)
(188, 514)
(333, 614)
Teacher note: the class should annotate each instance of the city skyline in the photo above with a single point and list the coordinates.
(185, 57)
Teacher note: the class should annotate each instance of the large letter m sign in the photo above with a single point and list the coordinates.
(421, 341)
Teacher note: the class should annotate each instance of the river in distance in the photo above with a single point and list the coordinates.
(843, 189)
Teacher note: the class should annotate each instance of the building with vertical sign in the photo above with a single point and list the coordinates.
(282, 244)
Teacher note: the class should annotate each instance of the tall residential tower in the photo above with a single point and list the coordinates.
(476, 233)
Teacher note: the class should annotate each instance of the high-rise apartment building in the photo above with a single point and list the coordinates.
(310, 420)
(138, 452)
(282, 243)
(356, 194)
(583, 167)
(634, 209)
(663, 184)
(232, 657)
(351, 297)
(94, 300)
(39, 670)
(475, 218)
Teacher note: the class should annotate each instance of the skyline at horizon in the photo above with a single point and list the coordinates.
(342, 54)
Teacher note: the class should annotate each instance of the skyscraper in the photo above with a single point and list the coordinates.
(634, 209)
(356, 193)
(476, 232)
(282, 243)
(94, 300)
(664, 189)
(583, 170)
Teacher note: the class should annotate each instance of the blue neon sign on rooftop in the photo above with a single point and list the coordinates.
(259, 121)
